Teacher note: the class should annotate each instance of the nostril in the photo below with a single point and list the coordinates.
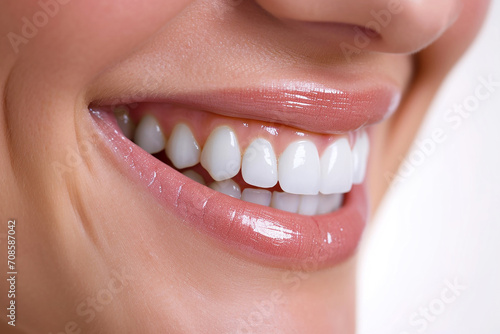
(388, 26)
(369, 31)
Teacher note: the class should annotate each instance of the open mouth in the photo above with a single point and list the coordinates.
(272, 191)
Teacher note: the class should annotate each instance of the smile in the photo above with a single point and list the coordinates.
(268, 188)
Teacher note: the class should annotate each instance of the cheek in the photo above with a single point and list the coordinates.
(56, 58)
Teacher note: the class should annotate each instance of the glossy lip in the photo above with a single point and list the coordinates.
(307, 106)
(262, 234)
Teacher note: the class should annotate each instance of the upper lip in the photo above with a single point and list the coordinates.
(307, 106)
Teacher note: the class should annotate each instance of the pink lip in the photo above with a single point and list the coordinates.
(264, 234)
(307, 106)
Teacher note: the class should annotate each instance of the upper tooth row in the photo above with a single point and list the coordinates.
(299, 169)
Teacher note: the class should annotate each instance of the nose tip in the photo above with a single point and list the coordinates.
(396, 26)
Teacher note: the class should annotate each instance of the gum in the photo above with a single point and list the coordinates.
(202, 123)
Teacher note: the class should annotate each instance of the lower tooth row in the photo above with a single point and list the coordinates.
(302, 204)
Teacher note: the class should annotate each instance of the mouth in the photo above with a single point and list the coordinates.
(275, 175)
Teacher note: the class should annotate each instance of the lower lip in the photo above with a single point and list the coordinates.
(262, 234)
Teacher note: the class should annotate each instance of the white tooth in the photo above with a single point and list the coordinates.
(259, 166)
(285, 201)
(336, 168)
(228, 187)
(360, 157)
(124, 121)
(194, 176)
(308, 204)
(148, 135)
(257, 196)
(299, 168)
(182, 148)
(329, 203)
(221, 155)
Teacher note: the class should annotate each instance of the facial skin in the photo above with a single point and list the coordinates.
(75, 232)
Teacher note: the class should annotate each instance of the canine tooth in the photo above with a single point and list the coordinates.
(194, 176)
(299, 168)
(182, 148)
(329, 203)
(148, 135)
(285, 201)
(221, 155)
(124, 121)
(259, 166)
(337, 168)
(308, 205)
(360, 157)
(228, 187)
(257, 196)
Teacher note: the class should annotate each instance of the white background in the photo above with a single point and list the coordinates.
(442, 222)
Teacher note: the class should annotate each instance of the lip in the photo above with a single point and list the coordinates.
(261, 234)
(307, 106)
